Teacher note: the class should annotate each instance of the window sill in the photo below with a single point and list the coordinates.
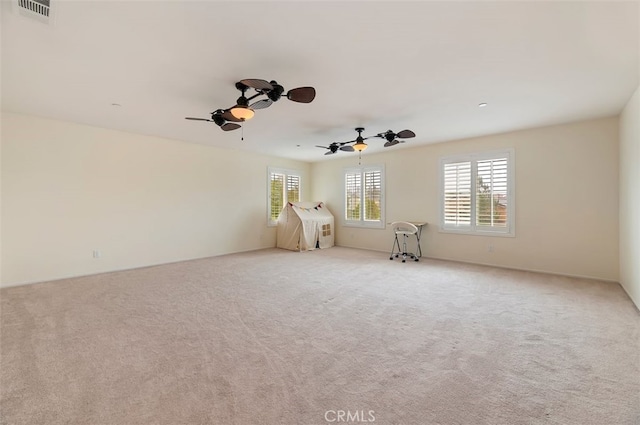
(364, 225)
(505, 234)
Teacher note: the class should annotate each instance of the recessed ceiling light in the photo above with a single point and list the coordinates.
(482, 105)
(116, 104)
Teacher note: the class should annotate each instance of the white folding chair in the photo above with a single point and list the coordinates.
(403, 229)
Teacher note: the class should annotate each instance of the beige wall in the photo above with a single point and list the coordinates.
(566, 187)
(69, 189)
(630, 198)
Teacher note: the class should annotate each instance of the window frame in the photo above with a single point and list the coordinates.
(361, 222)
(473, 159)
(286, 173)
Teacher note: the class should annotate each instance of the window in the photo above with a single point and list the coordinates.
(364, 196)
(477, 193)
(284, 186)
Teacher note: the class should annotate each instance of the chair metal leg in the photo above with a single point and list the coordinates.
(404, 248)
(405, 253)
(393, 248)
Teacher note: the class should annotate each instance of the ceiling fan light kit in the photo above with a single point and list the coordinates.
(360, 146)
(243, 113)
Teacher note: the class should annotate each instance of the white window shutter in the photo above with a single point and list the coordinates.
(277, 195)
(491, 193)
(352, 195)
(457, 194)
(293, 188)
(372, 195)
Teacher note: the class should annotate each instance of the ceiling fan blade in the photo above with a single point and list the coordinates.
(261, 104)
(391, 143)
(197, 119)
(324, 147)
(330, 153)
(347, 148)
(230, 126)
(229, 117)
(257, 84)
(302, 94)
(406, 134)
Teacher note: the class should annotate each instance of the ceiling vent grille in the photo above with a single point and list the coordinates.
(37, 9)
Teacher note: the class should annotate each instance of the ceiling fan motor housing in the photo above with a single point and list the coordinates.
(276, 92)
(217, 118)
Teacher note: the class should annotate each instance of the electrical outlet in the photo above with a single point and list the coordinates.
(490, 248)
(96, 253)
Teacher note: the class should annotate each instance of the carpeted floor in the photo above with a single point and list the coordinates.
(331, 336)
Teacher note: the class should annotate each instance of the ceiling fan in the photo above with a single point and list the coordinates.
(392, 138)
(359, 144)
(227, 119)
(335, 146)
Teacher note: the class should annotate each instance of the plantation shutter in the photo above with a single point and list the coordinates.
(277, 194)
(457, 194)
(372, 194)
(282, 186)
(491, 193)
(352, 193)
(293, 188)
(478, 193)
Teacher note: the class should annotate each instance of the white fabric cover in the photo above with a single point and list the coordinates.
(303, 224)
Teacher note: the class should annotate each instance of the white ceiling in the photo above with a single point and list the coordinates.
(423, 66)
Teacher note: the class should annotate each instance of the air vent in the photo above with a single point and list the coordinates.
(39, 7)
(36, 9)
